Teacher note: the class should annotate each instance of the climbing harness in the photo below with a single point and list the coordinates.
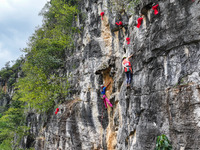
(102, 14)
(155, 8)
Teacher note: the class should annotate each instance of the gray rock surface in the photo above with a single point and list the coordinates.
(164, 97)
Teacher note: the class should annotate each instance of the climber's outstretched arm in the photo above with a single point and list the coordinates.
(130, 56)
(108, 84)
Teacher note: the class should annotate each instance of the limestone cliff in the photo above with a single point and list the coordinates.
(164, 97)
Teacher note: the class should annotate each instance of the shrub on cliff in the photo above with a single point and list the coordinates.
(162, 143)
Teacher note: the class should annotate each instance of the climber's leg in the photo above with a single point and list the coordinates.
(107, 100)
(104, 100)
(127, 77)
(130, 77)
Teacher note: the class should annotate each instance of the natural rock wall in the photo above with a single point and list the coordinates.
(5, 95)
(165, 94)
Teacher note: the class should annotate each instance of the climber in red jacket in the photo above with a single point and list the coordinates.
(127, 69)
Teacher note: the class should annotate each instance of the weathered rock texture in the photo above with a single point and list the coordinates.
(165, 93)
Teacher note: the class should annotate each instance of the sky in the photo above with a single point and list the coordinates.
(18, 21)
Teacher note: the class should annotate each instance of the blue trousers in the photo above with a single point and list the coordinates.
(128, 77)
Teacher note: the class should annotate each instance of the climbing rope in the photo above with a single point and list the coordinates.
(102, 113)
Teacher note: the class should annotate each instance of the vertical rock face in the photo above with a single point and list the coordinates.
(5, 95)
(164, 97)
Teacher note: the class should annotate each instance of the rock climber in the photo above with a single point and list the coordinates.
(105, 99)
(127, 69)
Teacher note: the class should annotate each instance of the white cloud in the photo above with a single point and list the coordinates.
(21, 10)
(5, 9)
(5, 55)
(18, 19)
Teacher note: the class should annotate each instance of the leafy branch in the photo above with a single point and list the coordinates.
(162, 143)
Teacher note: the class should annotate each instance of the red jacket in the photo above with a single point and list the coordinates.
(127, 64)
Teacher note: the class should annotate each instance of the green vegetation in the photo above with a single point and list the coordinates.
(47, 46)
(9, 74)
(12, 124)
(40, 86)
(39, 90)
(162, 143)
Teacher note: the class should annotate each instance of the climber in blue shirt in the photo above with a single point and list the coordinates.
(103, 90)
(105, 99)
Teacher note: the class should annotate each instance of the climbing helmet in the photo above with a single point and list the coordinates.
(124, 57)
